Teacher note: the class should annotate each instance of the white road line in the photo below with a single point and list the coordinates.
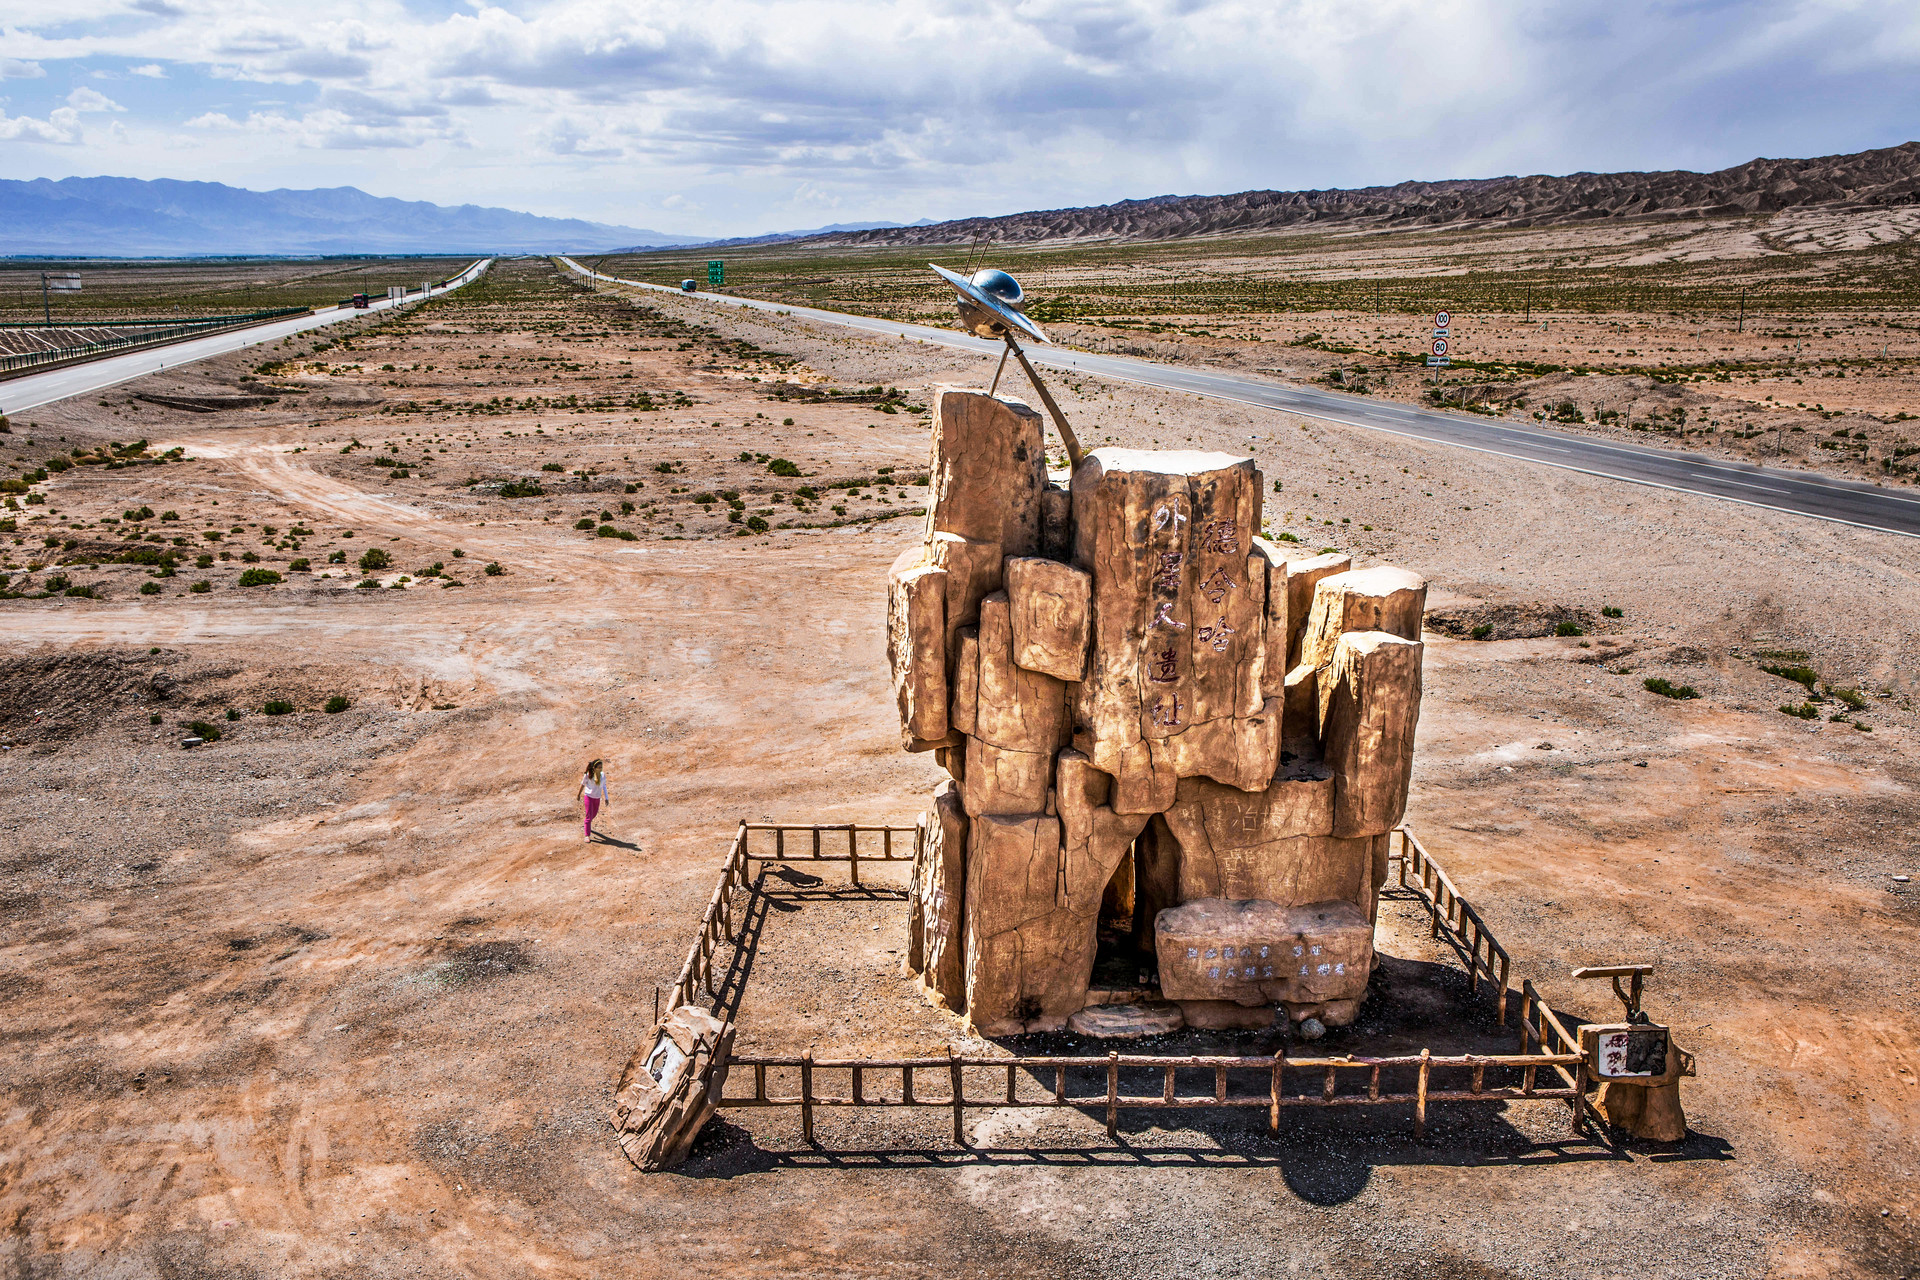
(34, 390)
(1808, 486)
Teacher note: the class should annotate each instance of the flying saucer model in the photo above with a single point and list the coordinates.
(990, 303)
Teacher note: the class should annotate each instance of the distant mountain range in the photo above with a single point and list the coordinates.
(777, 237)
(1868, 179)
(130, 217)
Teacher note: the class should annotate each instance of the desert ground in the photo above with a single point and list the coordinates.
(346, 993)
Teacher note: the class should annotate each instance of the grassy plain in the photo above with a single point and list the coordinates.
(165, 288)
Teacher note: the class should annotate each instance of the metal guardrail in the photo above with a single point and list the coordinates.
(171, 333)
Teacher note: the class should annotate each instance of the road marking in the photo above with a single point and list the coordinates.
(1134, 371)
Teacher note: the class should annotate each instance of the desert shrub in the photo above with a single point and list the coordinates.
(757, 524)
(1612, 611)
(201, 588)
(276, 707)
(458, 554)
(85, 592)
(259, 578)
(626, 509)
(522, 489)
(1568, 628)
(211, 535)
(169, 515)
(781, 467)
(1852, 697)
(664, 468)
(374, 559)
(250, 557)
(57, 582)
(338, 557)
(606, 531)
(154, 718)
(58, 464)
(1667, 689)
(366, 584)
(745, 456)
(139, 513)
(1482, 631)
(203, 562)
(1804, 711)
(233, 713)
(149, 588)
(786, 422)
(584, 522)
(204, 731)
(1800, 675)
(494, 570)
(300, 566)
(551, 466)
(336, 704)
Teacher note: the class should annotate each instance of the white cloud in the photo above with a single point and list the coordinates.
(85, 99)
(61, 127)
(20, 69)
(758, 109)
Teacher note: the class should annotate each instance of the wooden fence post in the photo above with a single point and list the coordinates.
(1113, 1093)
(806, 1094)
(1420, 1101)
(959, 1098)
(853, 851)
(1273, 1091)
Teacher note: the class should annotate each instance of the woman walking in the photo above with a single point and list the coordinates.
(592, 795)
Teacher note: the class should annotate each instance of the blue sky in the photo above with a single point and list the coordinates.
(727, 117)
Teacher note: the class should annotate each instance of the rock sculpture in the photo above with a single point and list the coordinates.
(1131, 689)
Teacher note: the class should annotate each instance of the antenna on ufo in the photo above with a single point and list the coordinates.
(989, 303)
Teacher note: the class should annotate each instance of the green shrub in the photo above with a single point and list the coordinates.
(584, 522)
(1806, 676)
(1483, 631)
(211, 535)
(745, 456)
(757, 524)
(606, 531)
(201, 588)
(139, 513)
(250, 557)
(1612, 611)
(232, 713)
(85, 591)
(153, 719)
(1805, 711)
(338, 557)
(336, 704)
(1568, 628)
(494, 570)
(626, 508)
(169, 515)
(374, 559)
(300, 566)
(551, 466)
(1852, 697)
(203, 731)
(58, 582)
(1667, 689)
(276, 707)
(149, 588)
(521, 489)
(781, 467)
(366, 584)
(203, 562)
(259, 578)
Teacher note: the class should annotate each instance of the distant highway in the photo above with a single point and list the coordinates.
(32, 390)
(1802, 493)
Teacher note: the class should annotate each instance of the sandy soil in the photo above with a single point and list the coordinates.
(345, 994)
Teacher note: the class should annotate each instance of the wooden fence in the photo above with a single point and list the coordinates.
(1547, 1066)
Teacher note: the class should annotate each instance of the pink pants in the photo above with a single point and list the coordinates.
(592, 806)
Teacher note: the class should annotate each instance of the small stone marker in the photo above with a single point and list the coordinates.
(1126, 1021)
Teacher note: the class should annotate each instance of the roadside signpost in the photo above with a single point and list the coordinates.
(1442, 343)
(716, 272)
(64, 282)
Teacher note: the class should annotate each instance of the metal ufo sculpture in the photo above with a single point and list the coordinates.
(990, 303)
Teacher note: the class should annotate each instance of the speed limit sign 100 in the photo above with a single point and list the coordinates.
(1442, 319)
(1439, 346)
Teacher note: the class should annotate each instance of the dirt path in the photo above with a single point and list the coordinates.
(345, 995)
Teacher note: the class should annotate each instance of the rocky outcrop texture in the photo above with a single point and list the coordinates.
(1869, 179)
(1114, 665)
(666, 1092)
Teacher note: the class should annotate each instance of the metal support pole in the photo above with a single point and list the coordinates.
(998, 370)
(1067, 437)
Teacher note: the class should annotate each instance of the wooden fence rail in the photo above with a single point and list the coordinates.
(868, 1083)
(1544, 1041)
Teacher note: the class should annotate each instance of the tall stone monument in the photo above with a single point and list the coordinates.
(1137, 697)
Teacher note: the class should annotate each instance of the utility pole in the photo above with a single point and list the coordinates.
(1742, 326)
(45, 305)
(1529, 302)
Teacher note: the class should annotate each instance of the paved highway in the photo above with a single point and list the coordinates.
(1797, 492)
(32, 390)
